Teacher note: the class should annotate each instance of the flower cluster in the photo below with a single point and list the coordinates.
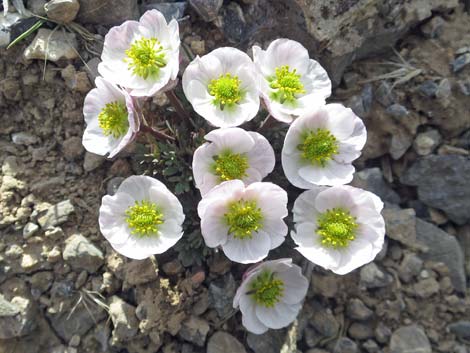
(337, 227)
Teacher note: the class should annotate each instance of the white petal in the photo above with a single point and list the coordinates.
(304, 234)
(234, 139)
(335, 197)
(271, 198)
(249, 318)
(333, 173)
(137, 186)
(213, 228)
(277, 230)
(248, 250)
(295, 285)
(341, 120)
(112, 217)
(228, 190)
(304, 209)
(287, 52)
(291, 163)
(279, 316)
(261, 156)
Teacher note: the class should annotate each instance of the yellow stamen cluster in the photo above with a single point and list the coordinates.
(286, 85)
(243, 218)
(143, 218)
(337, 228)
(230, 166)
(113, 119)
(226, 91)
(146, 57)
(318, 147)
(266, 289)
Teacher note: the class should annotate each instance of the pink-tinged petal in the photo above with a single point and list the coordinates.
(277, 231)
(304, 209)
(336, 197)
(234, 139)
(287, 52)
(341, 122)
(271, 198)
(247, 250)
(261, 156)
(155, 22)
(213, 227)
(305, 234)
(228, 190)
(291, 165)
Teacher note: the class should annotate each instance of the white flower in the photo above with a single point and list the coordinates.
(142, 56)
(290, 82)
(339, 228)
(110, 118)
(320, 146)
(246, 222)
(271, 295)
(232, 153)
(222, 88)
(143, 218)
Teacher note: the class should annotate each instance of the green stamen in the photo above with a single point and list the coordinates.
(286, 85)
(144, 218)
(145, 57)
(113, 119)
(229, 166)
(226, 91)
(243, 218)
(266, 289)
(318, 147)
(337, 228)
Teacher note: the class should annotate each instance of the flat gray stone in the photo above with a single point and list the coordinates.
(81, 254)
(409, 339)
(56, 214)
(223, 342)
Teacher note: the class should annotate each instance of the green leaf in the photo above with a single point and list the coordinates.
(25, 34)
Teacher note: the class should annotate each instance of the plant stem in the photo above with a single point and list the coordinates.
(176, 103)
(157, 134)
(267, 122)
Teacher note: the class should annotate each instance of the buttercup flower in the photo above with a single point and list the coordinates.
(222, 88)
(320, 146)
(339, 228)
(271, 295)
(142, 56)
(246, 222)
(143, 218)
(290, 82)
(110, 118)
(232, 153)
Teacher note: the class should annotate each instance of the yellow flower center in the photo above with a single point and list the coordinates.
(318, 147)
(243, 218)
(143, 218)
(113, 119)
(226, 91)
(146, 57)
(229, 166)
(266, 290)
(286, 85)
(337, 228)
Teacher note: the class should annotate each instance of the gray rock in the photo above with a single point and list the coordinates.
(345, 345)
(360, 331)
(81, 254)
(221, 295)
(223, 342)
(56, 214)
(428, 88)
(426, 142)
(113, 185)
(124, 320)
(367, 96)
(30, 229)
(442, 247)
(92, 161)
(37, 7)
(371, 346)
(194, 330)
(460, 328)
(63, 11)
(433, 28)
(324, 322)
(171, 10)
(397, 111)
(24, 138)
(59, 45)
(357, 106)
(72, 148)
(444, 90)
(464, 87)
(400, 225)
(442, 183)
(382, 333)
(269, 342)
(409, 339)
(371, 276)
(207, 9)
(7, 25)
(233, 22)
(10, 166)
(357, 310)
(17, 318)
(384, 94)
(460, 62)
(108, 12)
(410, 266)
(371, 179)
(426, 288)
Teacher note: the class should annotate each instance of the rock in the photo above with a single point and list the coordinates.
(269, 342)
(444, 90)
(357, 310)
(371, 179)
(384, 94)
(10, 166)
(63, 11)
(52, 46)
(207, 9)
(464, 87)
(113, 185)
(30, 229)
(124, 320)
(382, 333)
(233, 22)
(194, 330)
(92, 161)
(17, 318)
(324, 322)
(360, 331)
(173, 267)
(433, 28)
(426, 288)
(371, 276)
(107, 12)
(426, 142)
(223, 342)
(72, 148)
(428, 88)
(371, 346)
(24, 138)
(410, 267)
(442, 183)
(56, 214)
(7, 24)
(345, 345)
(76, 81)
(460, 62)
(37, 7)
(409, 339)
(138, 272)
(171, 10)
(397, 111)
(30, 262)
(81, 254)
(221, 295)
(400, 225)
(460, 328)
